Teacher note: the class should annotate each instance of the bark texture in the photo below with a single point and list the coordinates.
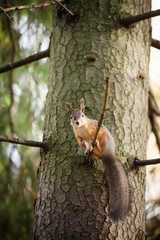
(71, 197)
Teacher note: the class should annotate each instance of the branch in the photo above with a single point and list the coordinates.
(100, 120)
(19, 63)
(24, 142)
(138, 162)
(133, 19)
(35, 6)
(155, 43)
(153, 113)
(153, 107)
(63, 6)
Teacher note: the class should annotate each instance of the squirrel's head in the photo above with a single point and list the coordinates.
(77, 116)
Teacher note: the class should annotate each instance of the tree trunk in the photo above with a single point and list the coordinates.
(85, 49)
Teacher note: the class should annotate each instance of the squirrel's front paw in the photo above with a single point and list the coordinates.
(97, 146)
(97, 143)
(87, 151)
(82, 144)
(90, 148)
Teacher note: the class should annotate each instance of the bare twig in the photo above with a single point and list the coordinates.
(32, 58)
(133, 19)
(35, 6)
(1, 10)
(153, 113)
(155, 43)
(153, 107)
(69, 11)
(24, 142)
(138, 162)
(155, 129)
(100, 119)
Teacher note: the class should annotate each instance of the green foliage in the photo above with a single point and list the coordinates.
(17, 194)
(18, 164)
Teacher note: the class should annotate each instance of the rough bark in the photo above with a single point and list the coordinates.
(71, 197)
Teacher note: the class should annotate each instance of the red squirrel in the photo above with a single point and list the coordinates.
(115, 175)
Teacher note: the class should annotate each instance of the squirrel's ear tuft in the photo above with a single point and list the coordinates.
(81, 106)
(70, 109)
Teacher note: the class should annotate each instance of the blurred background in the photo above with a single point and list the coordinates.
(153, 150)
(22, 99)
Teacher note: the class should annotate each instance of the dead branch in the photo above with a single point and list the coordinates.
(100, 120)
(24, 61)
(153, 107)
(35, 6)
(155, 43)
(155, 129)
(153, 113)
(69, 11)
(138, 162)
(24, 142)
(32, 6)
(133, 19)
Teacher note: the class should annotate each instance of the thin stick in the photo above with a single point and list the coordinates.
(69, 11)
(133, 19)
(34, 6)
(24, 142)
(153, 113)
(2, 10)
(17, 8)
(153, 107)
(100, 119)
(24, 61)
(138, 162)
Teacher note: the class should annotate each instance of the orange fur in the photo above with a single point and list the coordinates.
(115, 176)
(86, 133)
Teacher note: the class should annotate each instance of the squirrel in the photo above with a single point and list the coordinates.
(115, 175)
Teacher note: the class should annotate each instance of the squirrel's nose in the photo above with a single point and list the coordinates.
(77, 123)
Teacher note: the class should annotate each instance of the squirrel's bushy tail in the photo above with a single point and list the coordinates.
(119, 199)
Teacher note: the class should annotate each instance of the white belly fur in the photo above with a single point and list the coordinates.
(87, 145)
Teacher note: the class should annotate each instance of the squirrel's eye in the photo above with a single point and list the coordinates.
(82, 115)
(71, 117)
